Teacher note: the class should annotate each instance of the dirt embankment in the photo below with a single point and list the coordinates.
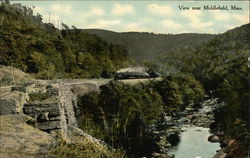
(13, 76)
(19, 139)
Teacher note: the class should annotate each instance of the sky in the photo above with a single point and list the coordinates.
(143, 16)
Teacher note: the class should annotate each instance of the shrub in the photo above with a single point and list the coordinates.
(38, 96)
(84, 148)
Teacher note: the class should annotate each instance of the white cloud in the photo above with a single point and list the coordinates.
(122, 9)
(96, 11)
(221, 16)
(185, 31)
(66, 9)
(242, 18)
(192, 15)
(133, 26)
(200, 25)
(224, 16)
(231, 26)
(145, 20)
(158, 9)
(196, 23)
(104, 23)
(170, 24)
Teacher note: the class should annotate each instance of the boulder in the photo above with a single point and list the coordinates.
(220, 154)
(20, 140)
(12, 103)
(184, 120)
(36, 109)
(49, 115)
(214, 138)
(53, 89)
(30, 88)
(50, 125)
(161, 155)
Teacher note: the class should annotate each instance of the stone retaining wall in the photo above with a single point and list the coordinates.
(53, 114)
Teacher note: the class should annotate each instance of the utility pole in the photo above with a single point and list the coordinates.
(58, 24)
(12, 74)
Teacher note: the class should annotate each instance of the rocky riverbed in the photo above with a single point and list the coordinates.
(192, 124)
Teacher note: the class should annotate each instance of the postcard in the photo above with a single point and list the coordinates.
(124, 79)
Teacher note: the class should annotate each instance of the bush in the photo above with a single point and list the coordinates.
(38, 96)
(84, 148)
(122, 114)
(179, 92)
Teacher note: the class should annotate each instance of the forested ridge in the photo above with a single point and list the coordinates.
(152, 44)
(26, 42)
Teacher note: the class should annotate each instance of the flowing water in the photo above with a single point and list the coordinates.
(193, 141)
(194, 144)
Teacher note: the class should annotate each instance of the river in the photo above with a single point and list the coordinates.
(192, 141)
(194, 144)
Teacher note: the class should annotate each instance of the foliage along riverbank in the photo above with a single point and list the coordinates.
(222, 66)
(129, 116)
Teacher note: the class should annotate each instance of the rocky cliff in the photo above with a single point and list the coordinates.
(34, 115)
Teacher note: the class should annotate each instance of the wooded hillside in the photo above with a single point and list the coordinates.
(26, 42)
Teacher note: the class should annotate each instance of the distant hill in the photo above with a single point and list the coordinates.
(211, 59)
(146, 46)
(234, 39)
